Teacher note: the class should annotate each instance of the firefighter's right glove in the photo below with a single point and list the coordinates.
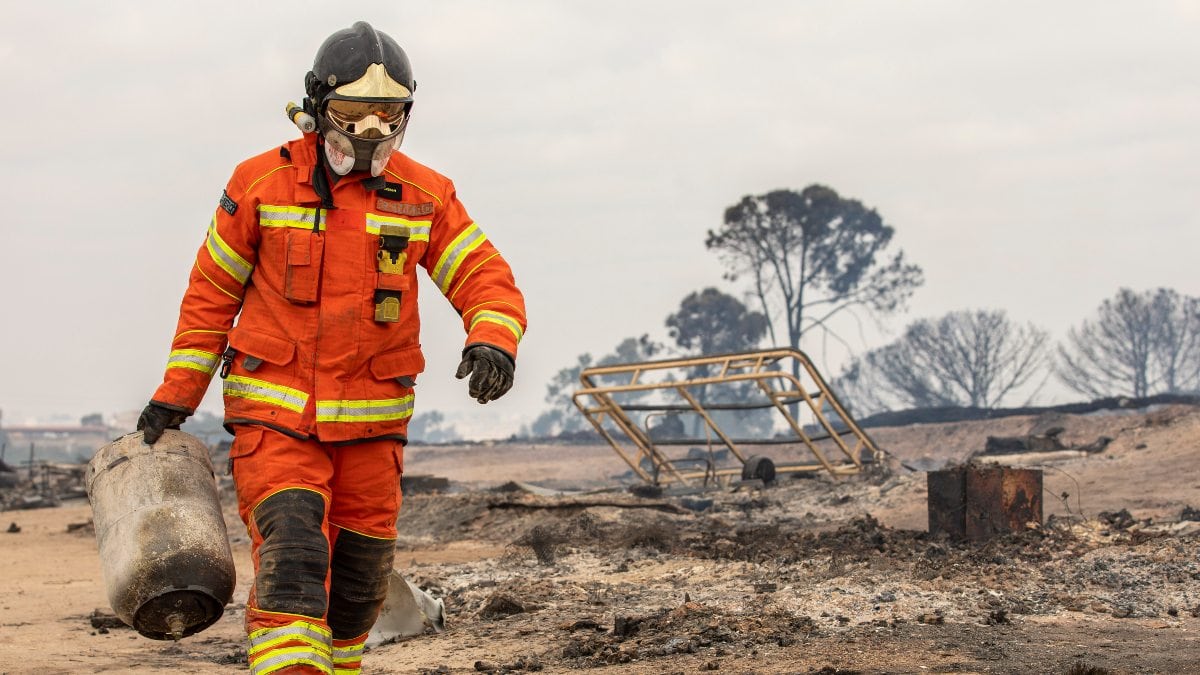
(491, 372)
(156, 418)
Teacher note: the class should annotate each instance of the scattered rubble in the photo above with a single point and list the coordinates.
(500, 605)
(820, 575)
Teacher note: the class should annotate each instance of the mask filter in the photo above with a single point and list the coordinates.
(347, 154)
(339, 151)
(383, 152)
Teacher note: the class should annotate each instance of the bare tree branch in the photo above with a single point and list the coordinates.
(969, 358)
(813, 249)
(1137, 344)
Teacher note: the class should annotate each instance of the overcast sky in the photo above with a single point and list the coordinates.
(1032, 157)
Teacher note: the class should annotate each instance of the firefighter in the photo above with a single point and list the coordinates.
(314, 247)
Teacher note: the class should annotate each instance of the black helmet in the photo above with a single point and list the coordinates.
(360, 91)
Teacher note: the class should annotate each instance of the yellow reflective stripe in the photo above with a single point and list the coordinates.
(347, 651)
(195, 359)
(393, 174)
(303, 627)
(262, 391)
(200, 330)
(256, 180)
(219, 286)
(290, 656)
(469, 240)
(347, 654)
(418, 230)
(320, 644)
(468, 275)
(287, 216)
(260, 610)
(362, 534)
(490, 302)
(503, 319)
(365, 410)
(225, 257)
(257, 504)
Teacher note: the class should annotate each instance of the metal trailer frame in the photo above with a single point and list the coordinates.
(771, 372)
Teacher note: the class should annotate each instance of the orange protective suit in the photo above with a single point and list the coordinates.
(319, 374)
(308, 356)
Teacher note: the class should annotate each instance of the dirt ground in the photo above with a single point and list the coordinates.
(809, 576)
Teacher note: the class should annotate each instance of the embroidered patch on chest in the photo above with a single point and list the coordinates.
(402, 209)
(392, 191)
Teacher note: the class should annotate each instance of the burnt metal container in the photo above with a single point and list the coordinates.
(164, 550)
(980, 502)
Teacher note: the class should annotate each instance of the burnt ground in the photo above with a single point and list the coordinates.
(747, 586)
(809, 576)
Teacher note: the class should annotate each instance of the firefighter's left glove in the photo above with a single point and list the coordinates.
(156, 418)
(491, 372)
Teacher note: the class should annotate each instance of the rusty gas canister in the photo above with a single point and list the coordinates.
(164, 550)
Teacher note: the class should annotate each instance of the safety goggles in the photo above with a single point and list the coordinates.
(367, 119)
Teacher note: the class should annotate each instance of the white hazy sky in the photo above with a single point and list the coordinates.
(1032, 156)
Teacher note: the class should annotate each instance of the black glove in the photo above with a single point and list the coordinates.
(156, 417)
(491, 372)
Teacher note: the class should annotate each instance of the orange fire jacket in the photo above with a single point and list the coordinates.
(307, 356)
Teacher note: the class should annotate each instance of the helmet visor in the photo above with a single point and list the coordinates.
(367, 119)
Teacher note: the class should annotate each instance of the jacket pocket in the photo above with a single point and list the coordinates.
(259, 347)
(246, 441)
(403, 365)
(303, 274)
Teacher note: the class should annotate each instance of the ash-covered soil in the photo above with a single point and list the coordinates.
(813, 575)
(749, 585)
(824, 575)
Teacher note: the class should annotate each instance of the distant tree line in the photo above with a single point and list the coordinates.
(804, 258)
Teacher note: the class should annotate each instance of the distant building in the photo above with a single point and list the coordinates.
(54, 442)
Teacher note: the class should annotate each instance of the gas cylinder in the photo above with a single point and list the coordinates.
(164, 550)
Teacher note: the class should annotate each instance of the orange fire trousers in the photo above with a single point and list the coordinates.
(322, 525)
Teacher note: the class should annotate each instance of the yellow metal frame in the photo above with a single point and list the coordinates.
(770, 370)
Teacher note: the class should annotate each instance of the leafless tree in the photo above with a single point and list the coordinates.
(968, 358)
(1138, 344)
(811, 255)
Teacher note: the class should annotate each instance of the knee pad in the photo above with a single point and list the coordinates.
(358, 582)
(294, 553)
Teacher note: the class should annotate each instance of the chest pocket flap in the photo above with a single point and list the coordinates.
(261, 346)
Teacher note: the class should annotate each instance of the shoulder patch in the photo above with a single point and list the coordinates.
(228, 204)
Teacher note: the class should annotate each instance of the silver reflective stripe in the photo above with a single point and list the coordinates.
(447, 265)
(290, 657)
(502, 319)
(419, 231)
(287, 216)
(346, 654)
(290, 630)
(195, 359)
(265, 392)
(365, 410)
(225, 257)
(349, 652)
